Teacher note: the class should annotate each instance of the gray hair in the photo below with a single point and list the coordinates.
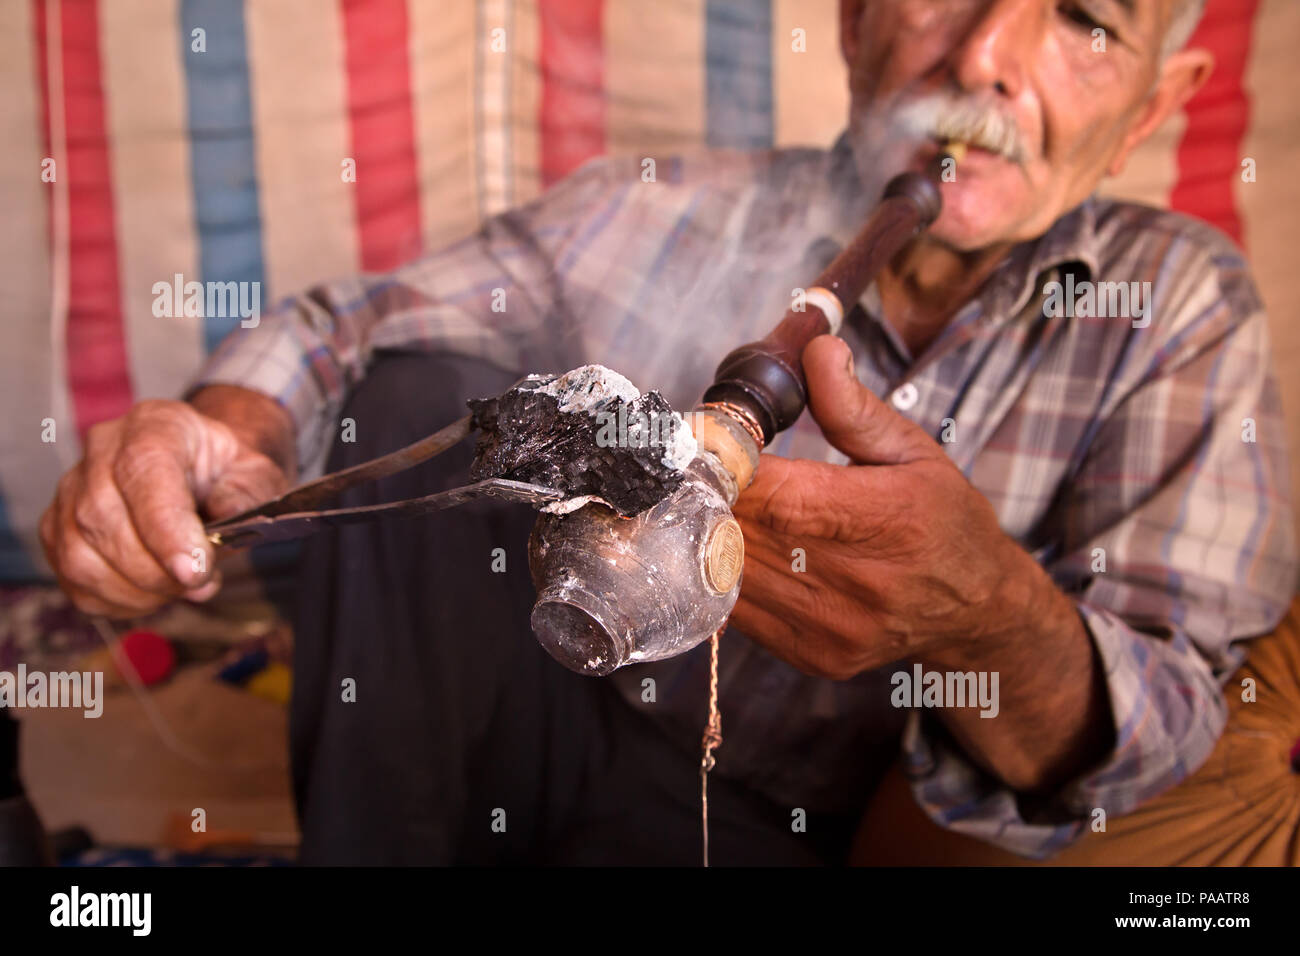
(1182, 24)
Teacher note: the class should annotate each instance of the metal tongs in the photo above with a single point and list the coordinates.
(298, 513)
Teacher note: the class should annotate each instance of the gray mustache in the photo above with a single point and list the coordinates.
(941, 116)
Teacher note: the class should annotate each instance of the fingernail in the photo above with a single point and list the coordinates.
(848, 362)
(208, 590)
(183, 569)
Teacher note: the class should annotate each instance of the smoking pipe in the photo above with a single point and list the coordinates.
(614, 590)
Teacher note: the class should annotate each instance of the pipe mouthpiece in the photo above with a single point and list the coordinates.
(922, 192)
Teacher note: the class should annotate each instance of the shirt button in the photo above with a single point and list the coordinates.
(905, 396)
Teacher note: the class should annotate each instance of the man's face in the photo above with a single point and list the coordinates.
(1049, 94)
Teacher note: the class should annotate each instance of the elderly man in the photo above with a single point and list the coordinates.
(1090, 507)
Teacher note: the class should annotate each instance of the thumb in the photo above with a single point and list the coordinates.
(245, 483)
(853, 419)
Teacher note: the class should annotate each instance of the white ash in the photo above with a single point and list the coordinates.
(590, 388)
(570, 505)
(681, 450)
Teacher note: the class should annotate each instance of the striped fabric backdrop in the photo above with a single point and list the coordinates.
(216, 140)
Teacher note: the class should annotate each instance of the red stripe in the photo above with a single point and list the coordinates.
(383, 131)
(42, 73)
(99, 378)
(572, 65)
(1210, 155)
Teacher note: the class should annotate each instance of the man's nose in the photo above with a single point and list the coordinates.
(999, 43)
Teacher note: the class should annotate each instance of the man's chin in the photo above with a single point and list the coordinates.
(981, 205)
(975, 216)
(963, 236)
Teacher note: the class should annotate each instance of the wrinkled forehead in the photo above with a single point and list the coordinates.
(1150, 18)
(1142, 23)
(1144, 20)
(1148, 25)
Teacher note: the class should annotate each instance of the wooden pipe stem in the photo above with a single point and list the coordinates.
(765, 378)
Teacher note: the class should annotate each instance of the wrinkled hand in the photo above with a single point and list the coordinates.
(123, 533)
(904, 558)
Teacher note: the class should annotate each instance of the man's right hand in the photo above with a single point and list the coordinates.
(124, 533)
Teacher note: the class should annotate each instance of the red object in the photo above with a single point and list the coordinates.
(382, 126)
(572, 66)
(1210, 155)
(99, 377)
(148, 654)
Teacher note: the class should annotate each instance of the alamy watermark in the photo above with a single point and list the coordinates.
(64, 689)
(947, 689)
(637, 429)
(201, 300)
(1099, 300)
(133, 911)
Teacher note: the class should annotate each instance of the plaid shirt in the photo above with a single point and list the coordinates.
(1119, 456)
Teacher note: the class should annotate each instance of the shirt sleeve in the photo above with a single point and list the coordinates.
(497, 295)
(1176, 540)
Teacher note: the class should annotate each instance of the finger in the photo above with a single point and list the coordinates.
(89, 604)
(153, 478)
(788, 640)
(248, 482)
(814, 499)
(89, 580)
(853, 419)
(766, 629)
(46, 530)
(780, 641)
(206, 592)
(102, 519)
(823, 563)
(51, 538)
(818, 585)
(771, 582)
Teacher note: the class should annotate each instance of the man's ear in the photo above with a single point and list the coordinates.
(850, 15)
(1181, 75)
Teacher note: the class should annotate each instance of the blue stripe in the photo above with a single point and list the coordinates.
(738, 68)
(222, 157)
(15, 563)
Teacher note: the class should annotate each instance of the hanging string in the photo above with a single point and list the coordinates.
(161, 725)
(712, 737)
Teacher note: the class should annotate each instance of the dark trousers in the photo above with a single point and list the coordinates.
(9, 785)
(466, 742)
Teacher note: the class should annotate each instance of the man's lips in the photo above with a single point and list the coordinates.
(976, 158)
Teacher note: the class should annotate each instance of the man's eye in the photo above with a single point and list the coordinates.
(1079, 16)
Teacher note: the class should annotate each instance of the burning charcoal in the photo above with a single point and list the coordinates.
(590, 434)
